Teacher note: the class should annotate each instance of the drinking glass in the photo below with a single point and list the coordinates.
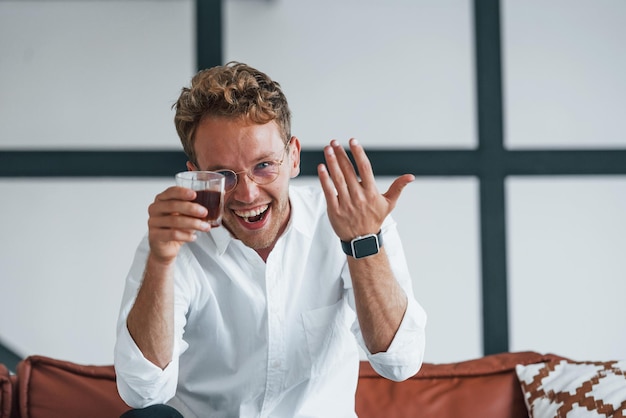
(209, 188)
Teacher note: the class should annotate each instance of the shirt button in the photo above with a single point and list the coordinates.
(276, 364)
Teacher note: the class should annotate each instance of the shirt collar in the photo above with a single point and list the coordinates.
(301, 219)
(221, 237)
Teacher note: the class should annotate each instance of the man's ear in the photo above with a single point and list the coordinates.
(191, 166)
(294, 157)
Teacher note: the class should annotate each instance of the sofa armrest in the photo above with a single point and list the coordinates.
(50, 388)
(6, 392)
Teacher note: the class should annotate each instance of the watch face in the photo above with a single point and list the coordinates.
(365, 246)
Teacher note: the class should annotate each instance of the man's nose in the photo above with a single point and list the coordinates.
(246, 189)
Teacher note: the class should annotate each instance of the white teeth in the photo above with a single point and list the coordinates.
(251, 213)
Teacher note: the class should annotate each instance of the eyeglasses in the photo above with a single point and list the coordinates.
(262, 173)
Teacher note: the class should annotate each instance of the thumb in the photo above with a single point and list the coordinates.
(393, 193)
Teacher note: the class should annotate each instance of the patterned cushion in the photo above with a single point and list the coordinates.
(574, 389)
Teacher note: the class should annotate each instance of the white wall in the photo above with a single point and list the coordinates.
(567, 241)
(93, 74)
(103, 74)
(564, 66)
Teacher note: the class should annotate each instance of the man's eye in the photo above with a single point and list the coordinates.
(264, 165)
(225, 173)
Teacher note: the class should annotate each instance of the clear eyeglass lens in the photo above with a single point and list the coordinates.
(230, 180)
(264, 174)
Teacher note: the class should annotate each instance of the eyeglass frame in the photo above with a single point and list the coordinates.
(278, 163)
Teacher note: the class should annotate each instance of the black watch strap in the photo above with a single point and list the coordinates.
(363, 246)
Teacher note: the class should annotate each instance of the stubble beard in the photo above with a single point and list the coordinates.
(265, 237)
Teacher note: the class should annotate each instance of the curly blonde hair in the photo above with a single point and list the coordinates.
(234, 90)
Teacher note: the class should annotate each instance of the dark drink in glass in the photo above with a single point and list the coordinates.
(209, 188)
(212, 200)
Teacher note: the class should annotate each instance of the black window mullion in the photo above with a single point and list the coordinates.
(492, 194)
(209, 33)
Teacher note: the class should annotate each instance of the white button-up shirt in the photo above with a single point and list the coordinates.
(275, 339)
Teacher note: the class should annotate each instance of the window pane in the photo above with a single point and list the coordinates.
(567, 240)
(564, 66)
(93, 74)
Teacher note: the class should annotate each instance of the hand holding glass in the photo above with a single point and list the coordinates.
(209, 188)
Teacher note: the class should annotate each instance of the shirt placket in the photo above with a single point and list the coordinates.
(276, 359)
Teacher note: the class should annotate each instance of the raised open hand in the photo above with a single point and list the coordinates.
(355, 206)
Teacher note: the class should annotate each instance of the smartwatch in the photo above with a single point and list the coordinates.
(363, 246)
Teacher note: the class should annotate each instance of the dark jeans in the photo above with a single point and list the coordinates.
(154, 411)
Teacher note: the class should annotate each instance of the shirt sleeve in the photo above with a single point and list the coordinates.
(141, 383)
(405, 355)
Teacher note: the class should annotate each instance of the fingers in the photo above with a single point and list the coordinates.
(339, 168)
(177, 201)
(363, 163)
(394, 191)
(343, 173)
(327, 186)
(353, 208)
(175, 217)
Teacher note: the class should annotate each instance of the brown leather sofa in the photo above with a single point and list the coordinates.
(482, 388)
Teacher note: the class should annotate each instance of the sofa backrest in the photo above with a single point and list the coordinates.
(482, 388)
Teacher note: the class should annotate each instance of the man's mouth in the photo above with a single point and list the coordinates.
(252, 215)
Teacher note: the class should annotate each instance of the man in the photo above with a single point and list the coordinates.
(262, 316)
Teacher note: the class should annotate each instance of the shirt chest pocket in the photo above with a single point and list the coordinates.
(328, 336)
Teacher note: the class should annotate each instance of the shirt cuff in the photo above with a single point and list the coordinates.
(140, 382)
(405, 354)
